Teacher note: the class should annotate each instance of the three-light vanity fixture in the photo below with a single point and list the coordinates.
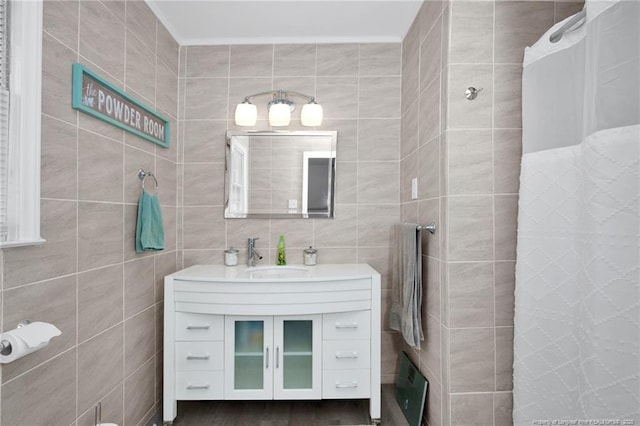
(280, 107)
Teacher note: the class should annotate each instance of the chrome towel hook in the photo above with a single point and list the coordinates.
(142, 175)
(471, 93)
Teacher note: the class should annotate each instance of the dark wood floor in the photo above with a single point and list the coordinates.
(287, 413)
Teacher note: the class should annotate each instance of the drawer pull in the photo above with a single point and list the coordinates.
(340, 355)
(346, 385)
(198, 386)
(198, 357)
(198, 327)
(352, 325)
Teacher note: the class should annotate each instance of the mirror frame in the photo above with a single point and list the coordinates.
(293, 133)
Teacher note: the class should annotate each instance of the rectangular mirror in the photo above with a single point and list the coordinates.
(280, 174)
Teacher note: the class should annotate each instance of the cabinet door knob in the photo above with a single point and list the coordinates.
(267, 358)
(199, 357)
(198, 327)
(277, 356)
(347, 355)
(346, 385)
(352, 325)
(198, 386)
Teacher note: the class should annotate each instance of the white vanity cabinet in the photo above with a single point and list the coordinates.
(248, 333)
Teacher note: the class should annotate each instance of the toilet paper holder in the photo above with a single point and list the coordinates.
(26, 338)
(5, 346)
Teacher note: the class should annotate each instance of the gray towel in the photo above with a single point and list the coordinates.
(406, 283)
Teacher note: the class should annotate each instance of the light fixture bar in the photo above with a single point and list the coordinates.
(280, 94)
(280, 108)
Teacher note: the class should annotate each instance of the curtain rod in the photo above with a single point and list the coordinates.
(567, 27)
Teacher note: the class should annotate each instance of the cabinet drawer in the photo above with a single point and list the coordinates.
(194, 356)
(346, 354)
(347, 325)
(346, 384)
(199, 385)
(198, 327)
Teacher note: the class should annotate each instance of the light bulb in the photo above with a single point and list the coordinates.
(279, 114)
(246, 114)
(311, 114)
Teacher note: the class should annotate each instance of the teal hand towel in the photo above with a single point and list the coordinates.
(149, 227)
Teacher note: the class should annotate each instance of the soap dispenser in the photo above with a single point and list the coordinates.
(282, 260)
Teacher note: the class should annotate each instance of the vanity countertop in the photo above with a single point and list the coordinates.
(270, 273)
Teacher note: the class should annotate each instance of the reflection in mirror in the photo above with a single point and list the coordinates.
(280, 174)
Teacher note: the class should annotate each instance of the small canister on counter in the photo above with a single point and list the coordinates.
(310, 256)
(231, 257)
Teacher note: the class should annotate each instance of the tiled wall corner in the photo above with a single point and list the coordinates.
(476, 188)
(87, 279)
(424, 73)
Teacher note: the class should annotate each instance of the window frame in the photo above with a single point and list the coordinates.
(25, 86)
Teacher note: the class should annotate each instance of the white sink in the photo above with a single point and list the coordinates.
(278, 272)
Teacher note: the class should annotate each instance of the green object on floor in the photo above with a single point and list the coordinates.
(411, 390)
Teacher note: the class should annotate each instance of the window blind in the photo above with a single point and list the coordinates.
(4, 120)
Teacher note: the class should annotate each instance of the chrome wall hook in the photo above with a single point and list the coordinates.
(471, 93)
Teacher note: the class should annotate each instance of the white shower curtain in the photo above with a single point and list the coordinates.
(577, 306)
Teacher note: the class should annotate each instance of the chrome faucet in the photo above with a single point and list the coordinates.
(252, 253)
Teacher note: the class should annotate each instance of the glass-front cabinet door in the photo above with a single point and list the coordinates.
(273, 357)
(248, 358)
(297, 357)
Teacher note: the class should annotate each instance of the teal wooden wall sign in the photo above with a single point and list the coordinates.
(97, 97)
